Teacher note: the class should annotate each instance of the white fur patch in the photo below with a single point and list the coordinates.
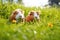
(20, 14)
(36, 15)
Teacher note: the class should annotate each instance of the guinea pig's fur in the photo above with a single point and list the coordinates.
(16, 15)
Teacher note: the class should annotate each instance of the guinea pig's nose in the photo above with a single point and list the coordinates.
(35, 17)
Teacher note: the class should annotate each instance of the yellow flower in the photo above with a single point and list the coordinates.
(14, 21)
(50, 25)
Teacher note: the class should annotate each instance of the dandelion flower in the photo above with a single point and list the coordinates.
(50, 25)
(14, 21)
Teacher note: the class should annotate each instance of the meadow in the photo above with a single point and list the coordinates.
(47, 29)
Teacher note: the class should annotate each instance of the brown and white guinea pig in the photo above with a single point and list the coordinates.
(18, 13)
(32, 15)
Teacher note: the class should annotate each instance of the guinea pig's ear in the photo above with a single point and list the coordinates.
(37, 13)
(22, 11)
(31, 13)
(15, 13)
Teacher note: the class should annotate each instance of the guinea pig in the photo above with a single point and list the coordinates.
(16, 14)
(32, 15)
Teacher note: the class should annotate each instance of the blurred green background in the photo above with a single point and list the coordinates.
(30, 31)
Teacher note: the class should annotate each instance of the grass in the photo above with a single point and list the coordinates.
(31, 31)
